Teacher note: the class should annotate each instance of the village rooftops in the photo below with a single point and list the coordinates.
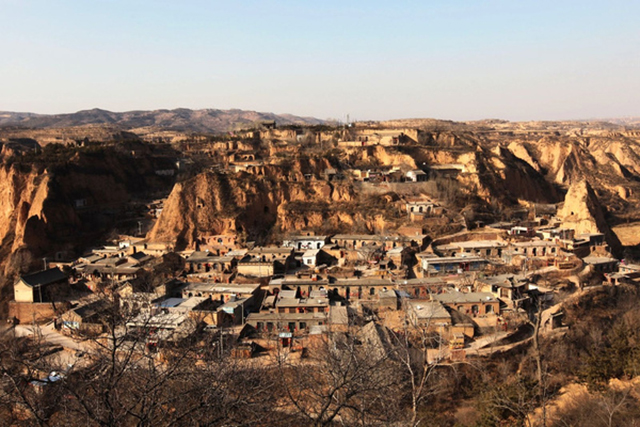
(111, 261)
(454, 259)
(237, 253)
(472, 244)
(107, 250)
(629, 268)
(422, 281)
(310, 253)
(357, 237)
(302, 302)
(110, 269)
(595, 260)
(375, 237)
(269, 251)
(140, 257)
(91, 308)
(198, 255)
(89, 259)
(309, 238)
(364, 282)
(221, 288)
(207, 257)
(287, 293)
(504, 281)
(266, 316)
(162, 320)
(427, 255)
(589, 235)
(425, 310)
(191, 303)
(44, 278)
(504, 225)
(293, 282)
(462, 297)
(230, 306)
(535, 243)
(387, 293)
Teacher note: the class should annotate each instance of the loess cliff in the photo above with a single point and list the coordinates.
(56, 203)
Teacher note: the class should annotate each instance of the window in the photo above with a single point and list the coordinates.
(303, 325)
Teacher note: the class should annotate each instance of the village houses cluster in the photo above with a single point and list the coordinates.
(459, 286)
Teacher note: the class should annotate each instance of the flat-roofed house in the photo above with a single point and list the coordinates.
(422, 287)
(317, 302)
(302, 286)
(416, 175)
(511, 289)
(266, 261)
(255, 268)
(386, 242)
(448, 265)
(286, 322)
(629, 268)
(536, 248)
(361, 288)
(471, 303)
(601, 264)
(484, 248)
(428, 314)
(315, 257)
(223, 292)
(199, 262)
(305, 242)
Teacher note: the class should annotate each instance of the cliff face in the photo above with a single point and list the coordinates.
(60, 209)
(216, 203)
(583, 213)
(292, 195)
(26, 219)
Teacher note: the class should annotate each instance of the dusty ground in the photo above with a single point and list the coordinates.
(629, 234)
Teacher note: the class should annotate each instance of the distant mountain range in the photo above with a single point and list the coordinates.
(180, 119)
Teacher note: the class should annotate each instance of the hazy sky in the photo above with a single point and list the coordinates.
(449, 59)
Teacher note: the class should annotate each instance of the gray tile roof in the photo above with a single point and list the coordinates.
(44, 278)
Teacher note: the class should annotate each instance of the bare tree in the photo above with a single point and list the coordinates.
(348, 378)
(120, 382)
(419, 348)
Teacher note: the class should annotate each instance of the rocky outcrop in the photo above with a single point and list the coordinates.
(583, 213)
(62, 209)
(218, 203)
